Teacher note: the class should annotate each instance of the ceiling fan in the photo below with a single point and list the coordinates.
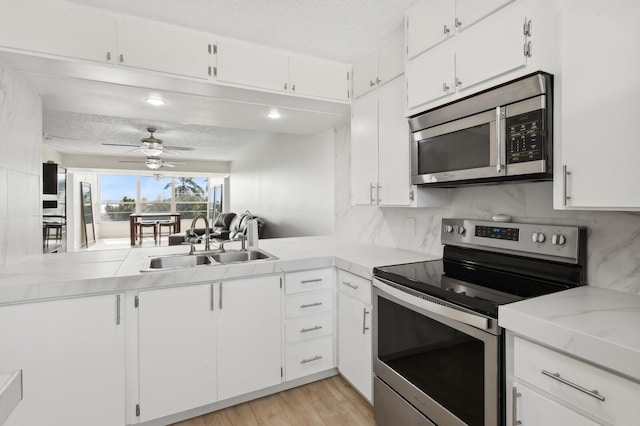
(154, 163)
(151, 146)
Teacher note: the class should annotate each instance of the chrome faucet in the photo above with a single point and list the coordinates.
(240, 237)
(207, 245)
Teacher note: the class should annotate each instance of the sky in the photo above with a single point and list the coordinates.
(114, 187)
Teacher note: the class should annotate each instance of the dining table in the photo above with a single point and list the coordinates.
(134, 218)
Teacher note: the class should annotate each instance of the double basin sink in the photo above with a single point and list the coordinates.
(216, 257)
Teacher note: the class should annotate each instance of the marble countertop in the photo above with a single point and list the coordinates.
(95, 272)
(595, 324)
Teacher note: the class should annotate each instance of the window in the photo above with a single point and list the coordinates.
(117, 197)
(121, 195)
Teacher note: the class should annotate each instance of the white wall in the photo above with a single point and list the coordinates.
(613, 238)
(20, 169)
(288, 181)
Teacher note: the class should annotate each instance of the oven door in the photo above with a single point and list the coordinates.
(465, 149)
(444, 361)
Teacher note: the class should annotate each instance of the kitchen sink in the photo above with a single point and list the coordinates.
(215, 257)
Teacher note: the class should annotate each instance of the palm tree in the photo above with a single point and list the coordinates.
(186, 186)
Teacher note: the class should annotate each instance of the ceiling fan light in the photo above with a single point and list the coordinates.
(152, 152)
(274, 115)
(154, 166)
(156, 101)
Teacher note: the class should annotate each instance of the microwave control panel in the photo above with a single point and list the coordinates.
(525, 137)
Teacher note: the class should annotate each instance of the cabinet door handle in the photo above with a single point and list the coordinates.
(285, 86)
(458, 23)
(306, 330)
(293, 87)
(315, 358)
(117, 309)
(220, 301)
(378, 188)
(445, 30)
(556, 376)
(121, 58)
(458, 82)
(565, 197)
(348, 284)
(310, 305)
(108, 56)
(212, 303)
(445, 86)
(364, 320)
(378, 81)
(371, 83)
(514, 406)
(371, 186)
(315, 280)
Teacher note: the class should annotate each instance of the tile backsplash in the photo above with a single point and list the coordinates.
(613, 237)
(20, 169)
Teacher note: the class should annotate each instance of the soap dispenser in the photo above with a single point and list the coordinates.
(252, 234)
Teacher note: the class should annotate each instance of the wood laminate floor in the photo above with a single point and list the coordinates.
(329, 402)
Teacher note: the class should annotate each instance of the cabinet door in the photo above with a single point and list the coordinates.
(430, 76)
(365, 73)
(596, 88)
(73, 360)
(364, 148)
(249, 335)
(317, 77)
(391, 57)
(429, 22)
(249, 64)
(495, 46)
(354, 343)
(468, 12)
(393, 146)
(58, 28)
(177, 349)
(160, 47)
(534, 409)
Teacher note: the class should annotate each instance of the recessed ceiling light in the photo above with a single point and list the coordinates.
(156, 101)
(274, 115)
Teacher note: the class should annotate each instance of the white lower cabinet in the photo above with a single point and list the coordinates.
(249, 335)
(532, 408)
(177, 349)
(72, 356)
(564, 390)
(309, 322)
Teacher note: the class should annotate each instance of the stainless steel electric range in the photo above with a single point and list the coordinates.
(438, 350)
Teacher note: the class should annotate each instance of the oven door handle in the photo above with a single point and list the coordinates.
(436, 308)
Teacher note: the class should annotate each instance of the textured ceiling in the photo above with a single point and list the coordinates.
(342, 30)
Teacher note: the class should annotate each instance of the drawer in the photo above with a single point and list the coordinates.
(308, 304)
(309, 327)
(354, 285)
(309, 357)
(300, 282)
(534, 363)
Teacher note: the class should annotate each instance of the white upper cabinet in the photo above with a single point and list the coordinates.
(250, 64)
(596, 105)
(431, 76)
(380, 66)
(429, 22)
(468, 12)
(160, 47)
(364, 149)
(58, 28)
(318, 77)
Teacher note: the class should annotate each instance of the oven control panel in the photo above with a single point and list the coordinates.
(555, 242)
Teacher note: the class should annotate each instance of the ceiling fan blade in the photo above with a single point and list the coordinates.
(121, 144)
(179, 148)
(131, 161)
(167, 165)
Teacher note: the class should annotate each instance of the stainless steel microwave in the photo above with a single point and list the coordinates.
(500, 134)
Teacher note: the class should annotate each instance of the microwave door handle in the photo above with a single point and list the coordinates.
(499, 114)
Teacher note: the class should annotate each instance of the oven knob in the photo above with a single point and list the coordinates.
(461, 230)
(538, 237)
(558, 239)
(448, 229)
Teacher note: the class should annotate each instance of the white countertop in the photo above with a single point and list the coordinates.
(95, 272)
(595, 324)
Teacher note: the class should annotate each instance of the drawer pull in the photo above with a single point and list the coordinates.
(315, 280)
(315, 358)
(348, 284)
(306, 330)
(556, 376)
(514, 406)
(310, 305)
